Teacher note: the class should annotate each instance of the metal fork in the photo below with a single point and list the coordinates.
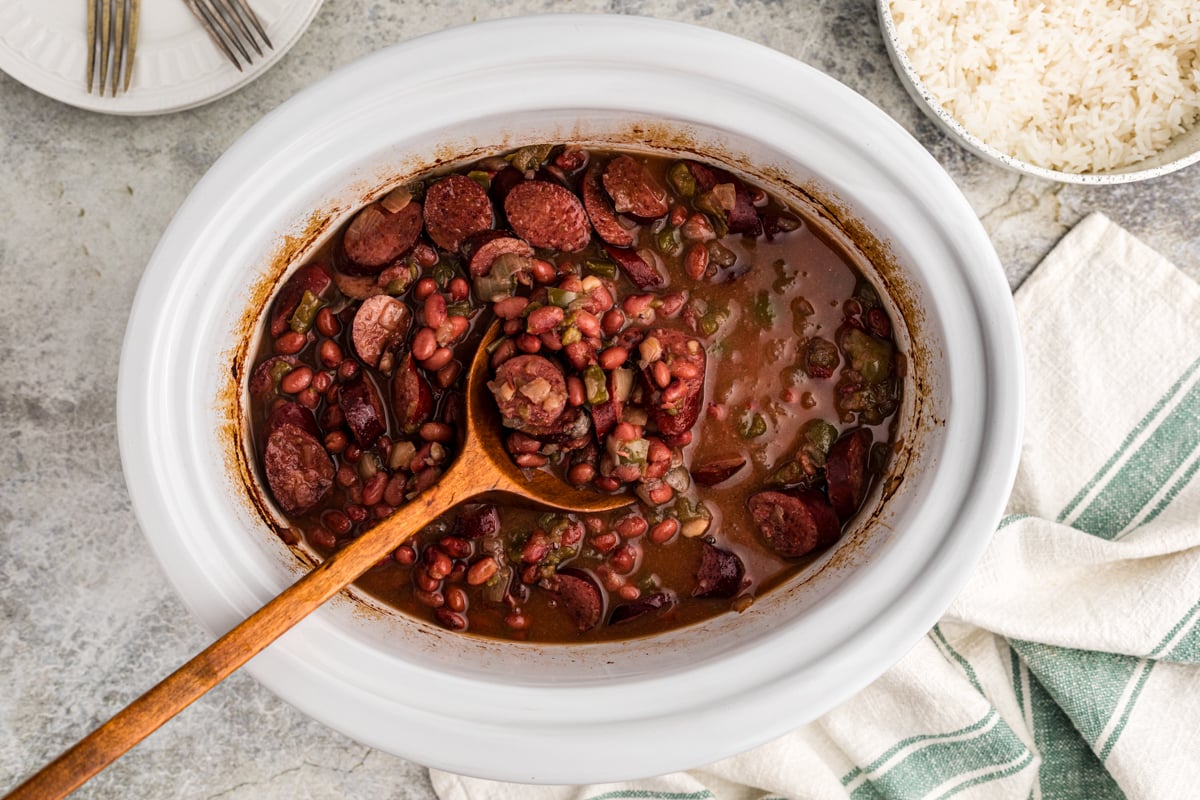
(229, 23)
(112, 32)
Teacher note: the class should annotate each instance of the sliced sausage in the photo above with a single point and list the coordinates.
(634, 190)
(475, 523)
(795, 524)
(299, 471)
(455, 208)
(357, 287)
(547, 215)
(315, 278)
(656, 603)
(636, 268)
(485, 247)
(846, 471)
(293, 414)
(579, 595)
(600, 210)
(363, 410)
(713, 473)
(380, 325)
(675, 411)
(412, 397)
(503, 183)
(570, 431)
(530, 391)
(720, 573)
(261, 379)
(743, 218)
(376, 237)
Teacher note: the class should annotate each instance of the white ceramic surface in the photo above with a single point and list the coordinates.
(1183, 150)
(43, 44)
(598, 712)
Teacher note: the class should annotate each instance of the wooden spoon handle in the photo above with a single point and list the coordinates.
(176, 692)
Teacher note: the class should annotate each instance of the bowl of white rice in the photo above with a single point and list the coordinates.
(1093, 91)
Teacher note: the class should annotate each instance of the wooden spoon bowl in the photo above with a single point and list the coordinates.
(482, 469)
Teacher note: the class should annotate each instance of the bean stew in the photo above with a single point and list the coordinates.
(670, 329)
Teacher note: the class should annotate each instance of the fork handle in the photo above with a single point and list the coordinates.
(180, 689)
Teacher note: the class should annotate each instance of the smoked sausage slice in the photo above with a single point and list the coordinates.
(713, 473)
(720, 573)
(376, 237)
(292, 414)
(579, 595)
(363, 410)
(651, 604)
(379, 326)
(637, 269)
(600, 210)
(634, 190)
(547, 215)
(795, 524)
(412, 397)
(531, 393)
(455, 208)
(846, 471)
(485, 247)
(299, 471)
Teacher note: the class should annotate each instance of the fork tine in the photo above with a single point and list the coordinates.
(135, 10)
(91, 24)
(247, 11)
(229, 11)
(105, 21)
(210, 26)
(118, 43)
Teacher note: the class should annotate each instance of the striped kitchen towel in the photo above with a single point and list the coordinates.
(1070, 665)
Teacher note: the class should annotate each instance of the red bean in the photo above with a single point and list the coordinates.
(404, 554)
(456, 600)
(623, 560)
(576, 391)
(346, 475)
(635, 304)
(482, 571)
(434, 310)
(440, 358)
(606, 542)
(543, 271)
(612, 322)
(455, 546)
(430, 599)
(606, 484)
(382, 510)
(695, 261)
(322, 539)
(661, 373)
(625, 432)
(513, 326)
(675, 391)
(671, 304)
(373, 488)
(679, 439)
(613, 357)
(459, 326)
(678, 215)
(528, 343)
(544, 319)
(424, 344)
(357, 512)
(309, 398)
(506, 350)
(353, 452)
(660, 494)
(424, 289)
(290, 343)
(447, 375)
(510, 307)
(519, 443)
(423, 581)
(664, 531)
(602, 299)
(296, 381)
(517, 621)
(322, 381)
(685, 370)
(328, 323)
(332, 417)
(437, 432)
(552, 340)
(655, 470)
(424, 255)
(393, 493)
(437, 563)
(347, 370)
(581, 473)
(459, 289)
(335, 442)
(337, 522)
(629, 592)
(631, 526)
(531, 460)
(588, 323)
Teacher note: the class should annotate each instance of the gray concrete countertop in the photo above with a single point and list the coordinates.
(87, 620)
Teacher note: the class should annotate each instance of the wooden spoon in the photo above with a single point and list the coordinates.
(482, 469)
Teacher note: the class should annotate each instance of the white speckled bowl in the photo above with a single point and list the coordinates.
(1183, 150)
(564, 714)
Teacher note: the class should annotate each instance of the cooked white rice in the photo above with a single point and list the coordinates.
(1073, 85)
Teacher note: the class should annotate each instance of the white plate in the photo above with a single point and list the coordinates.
(43, 44)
